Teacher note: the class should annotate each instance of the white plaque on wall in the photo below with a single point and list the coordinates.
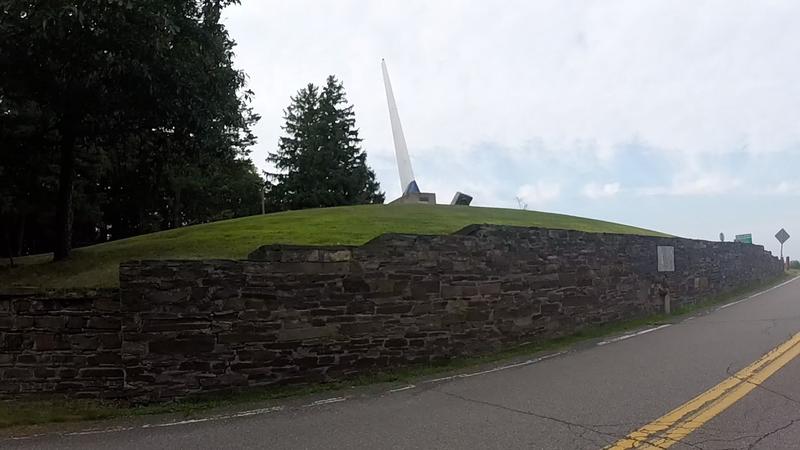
(666, 259)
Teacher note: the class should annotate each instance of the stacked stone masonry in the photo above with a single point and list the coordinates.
(62, 342)
(304, 314)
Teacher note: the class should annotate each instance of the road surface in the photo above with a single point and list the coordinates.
(727, 379)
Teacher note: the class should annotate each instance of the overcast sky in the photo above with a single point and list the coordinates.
(679, 116)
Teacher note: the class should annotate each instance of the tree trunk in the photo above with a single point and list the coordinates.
(176, 207)
(20, 235)
(9, 246)
(66, 181)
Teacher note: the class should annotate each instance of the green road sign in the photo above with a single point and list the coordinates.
(744, 238)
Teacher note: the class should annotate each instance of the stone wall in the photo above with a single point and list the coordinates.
(297, 314)
(60, 342)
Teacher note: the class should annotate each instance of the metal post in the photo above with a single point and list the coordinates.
(667, 305)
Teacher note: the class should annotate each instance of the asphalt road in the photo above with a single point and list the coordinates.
(590, 397)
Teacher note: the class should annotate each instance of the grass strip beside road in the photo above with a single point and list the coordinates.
(49, 409)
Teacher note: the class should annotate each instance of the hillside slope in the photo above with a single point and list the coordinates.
(97, 265)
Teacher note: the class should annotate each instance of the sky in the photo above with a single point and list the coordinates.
(678, 116)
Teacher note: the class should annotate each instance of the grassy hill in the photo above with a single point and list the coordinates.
(97, 265)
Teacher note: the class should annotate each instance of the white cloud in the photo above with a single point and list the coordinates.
(597, 191)
(567, 74)
(540, 193)
(708, 184)
(783, 188)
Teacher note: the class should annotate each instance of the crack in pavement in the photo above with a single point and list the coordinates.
(768, 329)
(725, 440)
(775, 431)
(593, 428)
(761, 436)
(566, 423)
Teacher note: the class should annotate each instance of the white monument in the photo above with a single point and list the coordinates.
(411, 192)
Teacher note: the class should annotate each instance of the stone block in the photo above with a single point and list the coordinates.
(110, 340)
(16, 373)
(421, 290)
(301, 334)
(190, 345)
(326, 312)
(101, 372)
(478, 315)
(449, 291)
(396, 343)
(489, 289)
(550, 308)
(44, 342)
(21, 306)
(75, 323)
(84, 342)
(50, 323)
(6, 322)
(421, 308)
(355, 284)
(394, 308)
(27, 359)
(6, 359)
(360, 307)
(195, 366)
(360, 328)
(104, 323)
(106, 305)
(175, 324)
(105, 359)
(245, 337)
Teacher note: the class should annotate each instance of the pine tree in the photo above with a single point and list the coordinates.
(319, 160)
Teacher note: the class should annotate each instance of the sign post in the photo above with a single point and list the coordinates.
(782, 236)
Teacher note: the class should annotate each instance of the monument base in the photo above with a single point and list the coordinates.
(461, 199)
(423, 198)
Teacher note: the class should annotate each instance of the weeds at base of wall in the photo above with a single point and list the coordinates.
(44, 410)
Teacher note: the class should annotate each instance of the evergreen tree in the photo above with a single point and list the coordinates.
(320, 161)
(108, 107)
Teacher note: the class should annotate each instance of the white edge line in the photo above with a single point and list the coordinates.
(254, 412)
(248, 413)
(757, 294)
(109, 430)
(251, 412)
(628, 336)
(497, 369)
(325, 401)
(733, 303)
(30, 436)
(180, 422)
(404, 388)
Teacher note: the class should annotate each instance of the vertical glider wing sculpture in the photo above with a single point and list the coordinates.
(407, 181)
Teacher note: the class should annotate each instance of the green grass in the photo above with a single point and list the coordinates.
(48, 409)
(97, 265)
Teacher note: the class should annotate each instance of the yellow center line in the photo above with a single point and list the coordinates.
(680, 422)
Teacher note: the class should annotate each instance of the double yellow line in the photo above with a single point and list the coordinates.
(678, 423)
